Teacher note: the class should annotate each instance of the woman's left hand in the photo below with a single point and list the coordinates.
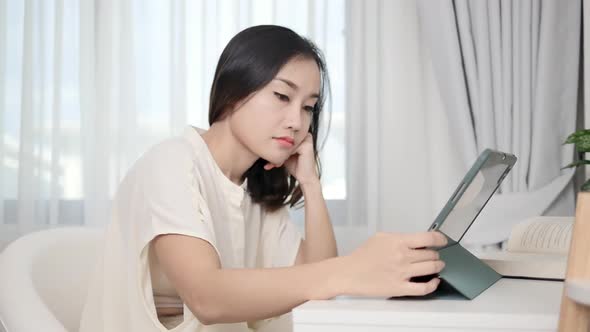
(301, 164)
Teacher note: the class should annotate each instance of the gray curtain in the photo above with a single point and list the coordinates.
(508, 77)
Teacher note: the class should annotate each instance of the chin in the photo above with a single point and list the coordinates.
(274, 156)
(277, 160)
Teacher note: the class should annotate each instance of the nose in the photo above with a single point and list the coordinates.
(293, 118)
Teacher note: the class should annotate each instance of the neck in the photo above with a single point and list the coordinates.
(232, 157)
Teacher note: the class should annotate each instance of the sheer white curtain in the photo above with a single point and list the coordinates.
(509, 75)
(406, 154)
(87, 86)
(401, 161)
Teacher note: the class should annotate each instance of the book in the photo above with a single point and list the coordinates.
(537, 248)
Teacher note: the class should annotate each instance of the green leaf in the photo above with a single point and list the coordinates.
(583, 144)
(577, 163)
(586, 186)
(576, 136)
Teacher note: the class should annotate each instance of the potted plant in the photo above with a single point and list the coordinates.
(574, 316)
(581, 141)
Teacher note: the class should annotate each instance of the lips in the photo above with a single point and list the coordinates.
(286, 141)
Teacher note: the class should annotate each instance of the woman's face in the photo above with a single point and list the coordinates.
(273, 121)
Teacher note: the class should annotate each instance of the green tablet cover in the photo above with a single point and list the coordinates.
(464, 272)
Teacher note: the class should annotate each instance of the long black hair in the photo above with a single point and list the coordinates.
(250, 61)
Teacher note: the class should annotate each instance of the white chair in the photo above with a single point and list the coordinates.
(44, 278)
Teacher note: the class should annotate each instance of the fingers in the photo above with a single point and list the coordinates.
(422, 288)
(425, 268)
(425, 239)
(270, 166)
(422, 255)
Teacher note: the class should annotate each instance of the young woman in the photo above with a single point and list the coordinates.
(200, 237)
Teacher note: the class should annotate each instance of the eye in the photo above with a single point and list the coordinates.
(282, 97)
(309, 109)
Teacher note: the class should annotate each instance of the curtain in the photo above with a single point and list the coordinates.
(87, 86)
(431, 85)
(508, 76)
(401, 165)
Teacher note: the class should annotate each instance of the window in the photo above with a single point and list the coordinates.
(157, 29)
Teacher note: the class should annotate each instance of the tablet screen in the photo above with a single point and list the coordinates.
(473, 192)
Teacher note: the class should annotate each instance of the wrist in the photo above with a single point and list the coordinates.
(334, 279)
(310, 185)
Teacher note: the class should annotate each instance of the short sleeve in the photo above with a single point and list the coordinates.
(173, 201)
(282, 239)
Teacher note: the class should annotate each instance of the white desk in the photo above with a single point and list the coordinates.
(509, 305)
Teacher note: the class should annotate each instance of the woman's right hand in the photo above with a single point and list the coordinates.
(384, 265)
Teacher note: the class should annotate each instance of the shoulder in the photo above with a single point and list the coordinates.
(164, 164)
(171, 151)
(174, 154)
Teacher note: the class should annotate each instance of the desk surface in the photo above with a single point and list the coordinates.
(510, 304)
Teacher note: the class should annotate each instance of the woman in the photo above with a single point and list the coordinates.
(201, 239)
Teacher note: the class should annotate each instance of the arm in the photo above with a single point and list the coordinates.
(218, 295)
(319, 242)
(381, 267)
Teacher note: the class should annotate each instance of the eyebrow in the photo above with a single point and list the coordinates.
(295, 87)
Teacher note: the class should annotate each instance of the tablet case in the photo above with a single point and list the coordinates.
(464, 273)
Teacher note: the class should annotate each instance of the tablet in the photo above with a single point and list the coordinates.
(472, 194)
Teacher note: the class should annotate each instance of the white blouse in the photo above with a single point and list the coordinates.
(177, 187)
